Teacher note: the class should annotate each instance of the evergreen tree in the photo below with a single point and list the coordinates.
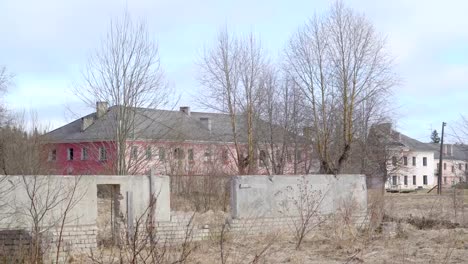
(435, 137)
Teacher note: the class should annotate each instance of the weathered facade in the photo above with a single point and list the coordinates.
(169, 142)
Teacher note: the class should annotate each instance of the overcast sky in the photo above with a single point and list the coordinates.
(46, 44)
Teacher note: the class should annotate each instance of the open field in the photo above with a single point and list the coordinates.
(417, 228)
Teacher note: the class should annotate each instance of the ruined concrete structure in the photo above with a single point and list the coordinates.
(71, 209)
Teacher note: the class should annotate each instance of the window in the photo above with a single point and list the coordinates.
(405, 160)
(424, 161)
(102, 153)
(84, 153)
(70, 154)
(263, 158)
(148, 153)
(460, 166)
(394, 161)
(405, 179)
(394, 180)
(414, 179)
(414, 161)
(207, 155)
(445, 180)
(134, 153)
(179, 153)
(162, 154)
(190, 154)
(52, 155)
(425, 179)
(445, 166)
(225, 155)
(278, 156)
(453, 168)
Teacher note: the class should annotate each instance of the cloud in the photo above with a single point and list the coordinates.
(46, 43)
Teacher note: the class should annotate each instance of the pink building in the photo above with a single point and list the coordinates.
(170, 142)
(454, 163)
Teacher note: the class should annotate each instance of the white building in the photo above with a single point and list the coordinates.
(412, 164)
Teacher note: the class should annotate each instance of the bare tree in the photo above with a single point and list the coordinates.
(340, 63)
(125, 72)
(232, 72)
(5, 82)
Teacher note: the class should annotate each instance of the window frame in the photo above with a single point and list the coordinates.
(52, 155)
(70, 154)
(102, 154)
(148, 153)
(84, 153)
(161, 154)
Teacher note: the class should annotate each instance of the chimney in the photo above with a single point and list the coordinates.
(396, 136)
(101, 109)
(206, 122)
(86, 122)
(185, 110)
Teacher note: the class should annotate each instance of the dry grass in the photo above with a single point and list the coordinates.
(396, 240)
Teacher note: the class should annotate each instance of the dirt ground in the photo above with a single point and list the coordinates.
(417, 228)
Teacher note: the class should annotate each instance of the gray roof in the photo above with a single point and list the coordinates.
(459, 152)
(154, 124)
(414, 144)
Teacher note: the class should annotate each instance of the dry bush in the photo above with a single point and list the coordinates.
(303, 209)
(140, 241)
(200, 193)
(240, 246)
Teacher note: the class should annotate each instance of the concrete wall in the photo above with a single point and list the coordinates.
(51, 195)
(259, 196)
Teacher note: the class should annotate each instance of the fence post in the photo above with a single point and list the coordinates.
(130, 216)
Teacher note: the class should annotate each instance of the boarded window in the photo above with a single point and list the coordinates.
(207, 155)
(149, 153)
(179, 153)
(84, 153)
(263, 158)
(414, 179)
(425, 179)
(414, 161)
(424, 161)
(405, 180)
(162, 154)
(134, 154)
(102, 153)
(225, 155)
(405, 160)
(52, 155)
(190, 154)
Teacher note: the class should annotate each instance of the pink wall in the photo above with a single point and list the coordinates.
(200, 165)
(92, 165)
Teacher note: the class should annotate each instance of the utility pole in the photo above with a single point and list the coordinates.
(439, 178)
